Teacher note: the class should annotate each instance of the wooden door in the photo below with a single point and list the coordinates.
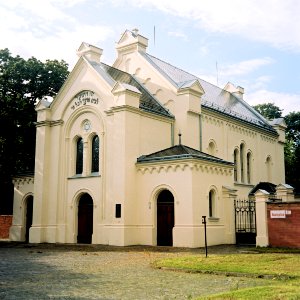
(85, 219)
(29, 210)
(165, 218)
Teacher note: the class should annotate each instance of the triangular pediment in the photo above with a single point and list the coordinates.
(122, 87)
(192, 85)
(127, 37)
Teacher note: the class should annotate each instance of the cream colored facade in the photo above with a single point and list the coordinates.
(136, 109)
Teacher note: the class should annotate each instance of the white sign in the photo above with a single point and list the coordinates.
(277, 214)
(288, 212)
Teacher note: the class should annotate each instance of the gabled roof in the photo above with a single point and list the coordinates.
(215, 98)
(266, 186)
(147, 100)
(180, 152)
(278, 122)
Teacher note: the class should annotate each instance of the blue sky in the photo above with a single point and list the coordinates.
(251, 43)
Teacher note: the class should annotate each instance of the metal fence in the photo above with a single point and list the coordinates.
(245, 222)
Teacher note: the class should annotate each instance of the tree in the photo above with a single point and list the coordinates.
(269, 110)
(293, 127)
(292, 145)
(22, 83)
(292, 149)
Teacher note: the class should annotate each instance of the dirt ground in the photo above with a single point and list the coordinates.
(48, 271)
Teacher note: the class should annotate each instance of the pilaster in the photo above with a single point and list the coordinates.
(262, 235)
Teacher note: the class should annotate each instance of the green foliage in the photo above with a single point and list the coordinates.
(292, 146)
(273, 264)
(22, 84)
(270, 292)
(293, 127)
(284, 268)
(269, 110)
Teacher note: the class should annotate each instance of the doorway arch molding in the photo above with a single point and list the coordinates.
(27, 215)
(157, 210)
(156, 191)
(77, 196)
(74, 210)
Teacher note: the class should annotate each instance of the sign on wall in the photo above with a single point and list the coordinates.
(277, 214)
(84, 98)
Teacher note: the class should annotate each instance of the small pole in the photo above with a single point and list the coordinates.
(204, 222)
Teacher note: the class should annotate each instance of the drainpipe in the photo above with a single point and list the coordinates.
(172, 134)
(200, 132)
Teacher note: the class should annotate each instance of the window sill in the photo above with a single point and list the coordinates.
(243, 184)
(87, 176)
(213, 219)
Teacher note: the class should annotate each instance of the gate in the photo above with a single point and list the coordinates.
(245, 222)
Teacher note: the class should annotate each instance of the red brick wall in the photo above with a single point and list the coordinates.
(5, 223)
(284, 232)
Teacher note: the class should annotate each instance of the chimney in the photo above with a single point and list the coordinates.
(239, 92)
(236, 91)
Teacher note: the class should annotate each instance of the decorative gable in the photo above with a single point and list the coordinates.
(92, 53)
(191, 86)
(132, 41)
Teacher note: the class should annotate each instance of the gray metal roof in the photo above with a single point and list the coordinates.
(215, 98)
(267, 186)
(180, 152)
(147, 100)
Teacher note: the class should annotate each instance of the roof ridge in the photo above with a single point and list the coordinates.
(184, 153)
(196, 77)
(254, 118)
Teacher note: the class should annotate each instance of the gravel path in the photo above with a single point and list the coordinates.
(101, 272)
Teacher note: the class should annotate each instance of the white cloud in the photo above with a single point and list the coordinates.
(61, 45)
(178, 34)
(40, 34)
(275, 22)
(285, 101)
(244, 67)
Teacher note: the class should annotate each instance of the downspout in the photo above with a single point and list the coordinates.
(172, 134)
(200, 132)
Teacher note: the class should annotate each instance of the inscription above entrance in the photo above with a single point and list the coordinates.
(84, 98)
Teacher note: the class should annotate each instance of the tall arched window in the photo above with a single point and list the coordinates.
(242, 162)
(79, 156)
(236, 155)
(249, 167)
(212, 148)
(95, 154)
(212, 203)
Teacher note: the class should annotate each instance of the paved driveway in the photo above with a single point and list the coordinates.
(101, 272)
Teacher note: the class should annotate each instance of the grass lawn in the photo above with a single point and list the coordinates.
(283, 269)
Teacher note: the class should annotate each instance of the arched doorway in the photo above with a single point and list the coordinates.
(85, 219)
(165, 218)
(28, 216)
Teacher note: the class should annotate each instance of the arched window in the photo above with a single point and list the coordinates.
(242, 162)
(249, 167)
(95, 154)
(212, 203)
(79, 156)
(236, 155)
(212, 148)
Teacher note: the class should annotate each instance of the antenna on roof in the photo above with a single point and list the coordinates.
(179, 135)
